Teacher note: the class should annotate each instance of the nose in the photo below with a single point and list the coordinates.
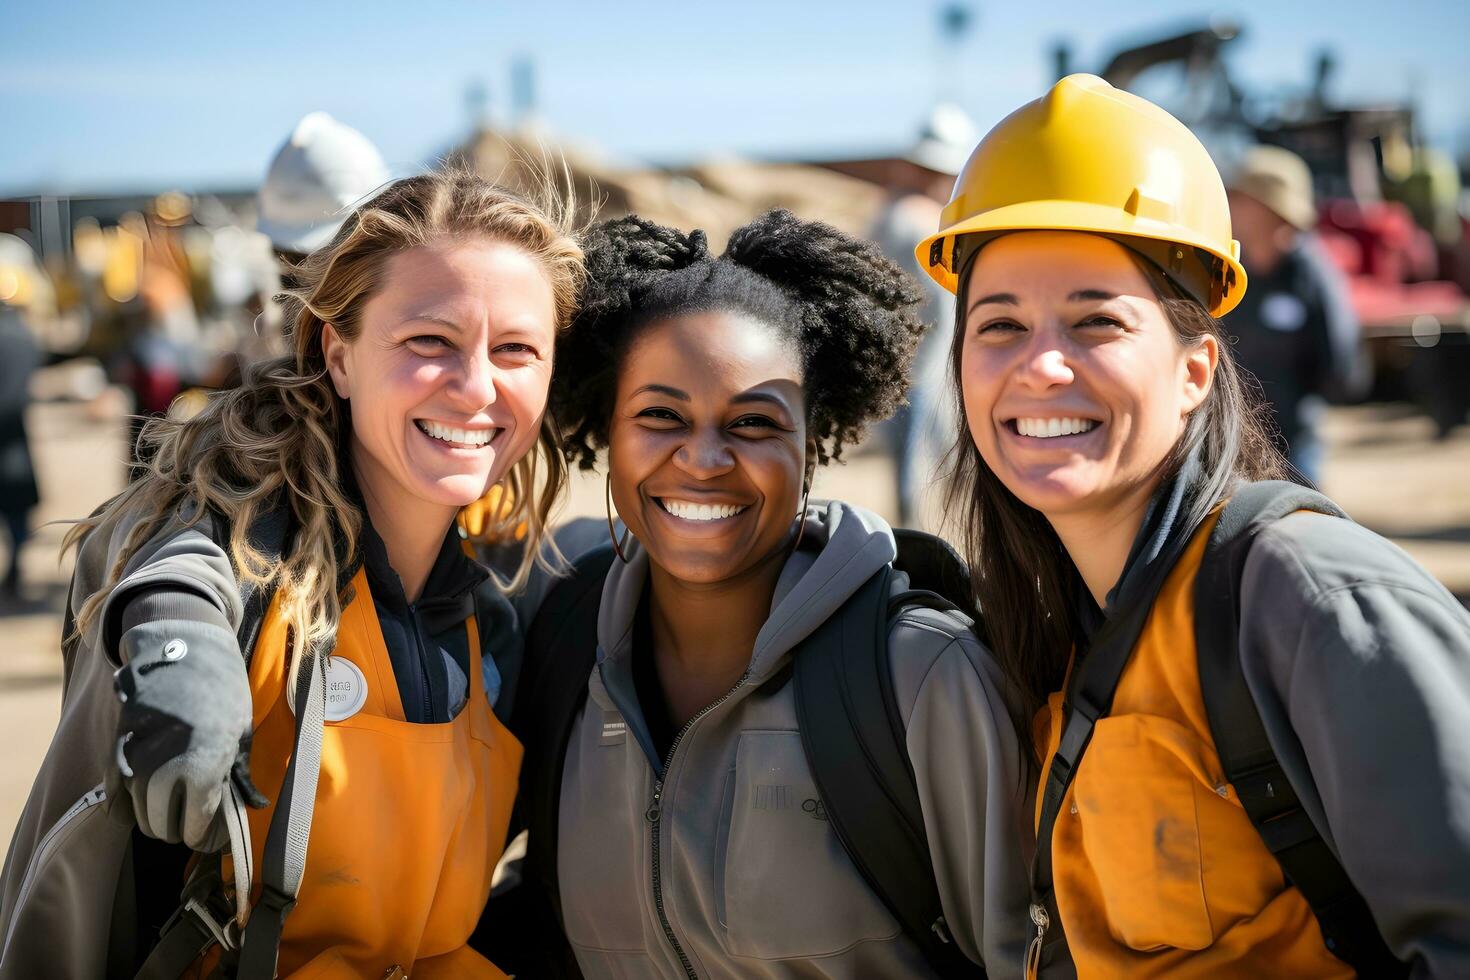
(474, 384)
(705, 454)
(1044, 364)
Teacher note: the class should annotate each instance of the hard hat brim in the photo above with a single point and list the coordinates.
(1080, 216)
(299, 238)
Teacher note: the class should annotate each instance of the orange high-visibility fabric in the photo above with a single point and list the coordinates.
(410, 819)
(1158, 870)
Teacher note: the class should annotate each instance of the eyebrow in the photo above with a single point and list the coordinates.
(658, 389)
(1009, 299)
(430, 318)
(1005, 299)
(746, 397)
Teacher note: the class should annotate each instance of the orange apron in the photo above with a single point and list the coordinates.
(1158, 870)
(410, 819)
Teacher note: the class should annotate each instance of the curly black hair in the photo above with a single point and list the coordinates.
(849, 312)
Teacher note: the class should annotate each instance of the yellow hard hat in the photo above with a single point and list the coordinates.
(1089, 157)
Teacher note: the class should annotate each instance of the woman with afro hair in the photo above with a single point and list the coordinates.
(690, 837)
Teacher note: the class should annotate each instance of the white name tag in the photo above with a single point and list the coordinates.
(346, 689)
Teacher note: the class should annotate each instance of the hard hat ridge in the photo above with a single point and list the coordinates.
(318, 174)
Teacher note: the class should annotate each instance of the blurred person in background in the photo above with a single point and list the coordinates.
(19, 357)
(1294, 328)
(920, 184)
(158, 356)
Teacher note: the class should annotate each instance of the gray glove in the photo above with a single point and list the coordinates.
(184, 730)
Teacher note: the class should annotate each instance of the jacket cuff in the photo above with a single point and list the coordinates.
(157, 603)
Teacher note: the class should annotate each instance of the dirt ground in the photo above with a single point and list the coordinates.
(1383, 466)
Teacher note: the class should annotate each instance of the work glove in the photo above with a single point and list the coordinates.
(183, 732)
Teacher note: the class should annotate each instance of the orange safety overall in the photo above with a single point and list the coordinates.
(410, 819)
(1158, 871)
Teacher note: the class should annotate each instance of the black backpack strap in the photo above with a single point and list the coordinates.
(932, 564)
(1245, 751)
(560, 655)
(855, 744)
(1090, 691)
(561, 652)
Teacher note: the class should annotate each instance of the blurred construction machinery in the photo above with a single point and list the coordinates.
(1391, 211)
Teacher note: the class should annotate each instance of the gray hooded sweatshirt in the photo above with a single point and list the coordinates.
(718, 861)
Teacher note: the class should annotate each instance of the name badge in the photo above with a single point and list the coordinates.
(614, 728)
(346, 689)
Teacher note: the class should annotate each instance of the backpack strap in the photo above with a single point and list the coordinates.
(934, 568)
(1089, 697)
(1245, 751)
(283, 861)
(561, 645)
(855, 743)
(204, 919)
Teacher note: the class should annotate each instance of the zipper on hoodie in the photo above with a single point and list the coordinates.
(654, 812)
(419, 647)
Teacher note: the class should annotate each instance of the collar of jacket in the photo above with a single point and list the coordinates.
(1168, 524)
(448, 595)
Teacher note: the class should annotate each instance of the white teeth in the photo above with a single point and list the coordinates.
(448, 433)
(690, 511)
(1051, 428)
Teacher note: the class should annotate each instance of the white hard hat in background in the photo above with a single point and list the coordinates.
(946, 140)
(320, 172)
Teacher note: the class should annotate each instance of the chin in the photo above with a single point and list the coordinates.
(694, 569)
(459, 490)
(1052, 492)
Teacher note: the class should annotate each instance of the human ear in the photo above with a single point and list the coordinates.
(334, 352)
(1199, 371)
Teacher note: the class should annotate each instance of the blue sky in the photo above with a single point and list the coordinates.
(104, 96)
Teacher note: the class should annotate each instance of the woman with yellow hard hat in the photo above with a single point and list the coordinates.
(1251, 713)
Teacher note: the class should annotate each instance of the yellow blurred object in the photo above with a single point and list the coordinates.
(124, 264)
(15, 286)
(172, 208)
(188, 403)
(1092, 158)
(484, 520)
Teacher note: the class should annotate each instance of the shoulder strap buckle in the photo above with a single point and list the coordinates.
(227, 935)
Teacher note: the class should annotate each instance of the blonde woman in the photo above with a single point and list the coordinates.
(309, 512)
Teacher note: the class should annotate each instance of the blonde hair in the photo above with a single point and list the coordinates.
(279, 435)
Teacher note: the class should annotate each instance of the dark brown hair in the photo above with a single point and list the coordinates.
(1025, 583)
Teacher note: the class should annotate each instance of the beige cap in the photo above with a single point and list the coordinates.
(1280, 180)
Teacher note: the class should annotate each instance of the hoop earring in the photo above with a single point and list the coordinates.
(611, 531)
(801, 518)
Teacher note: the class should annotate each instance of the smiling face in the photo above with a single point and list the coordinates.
(707, 446)
(1076, 387)
(447, 377)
